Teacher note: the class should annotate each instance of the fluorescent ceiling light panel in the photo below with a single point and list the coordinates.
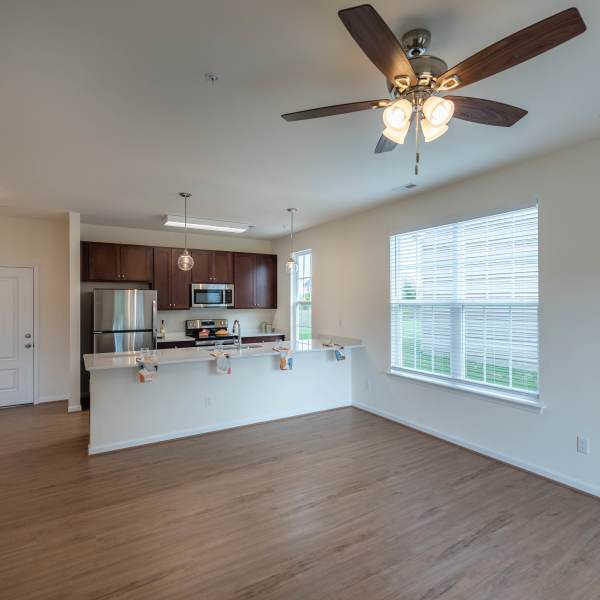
(206, 224)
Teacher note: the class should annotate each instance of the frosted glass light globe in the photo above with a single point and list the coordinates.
(438, 111)
(185, 262)
(397, 115)
(430, 132)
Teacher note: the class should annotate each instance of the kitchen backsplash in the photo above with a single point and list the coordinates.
(250, 320)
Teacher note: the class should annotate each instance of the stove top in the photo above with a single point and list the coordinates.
(205, 331)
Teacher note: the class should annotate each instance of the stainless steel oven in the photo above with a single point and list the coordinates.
(208, 295)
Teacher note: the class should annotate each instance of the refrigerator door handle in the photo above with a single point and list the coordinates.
(155, 324)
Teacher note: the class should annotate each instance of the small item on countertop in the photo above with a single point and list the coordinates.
(147, 368)
(222, 332)
(286, 362)
(222, 362)
(203, 333)
(163, 330)
(340, 354)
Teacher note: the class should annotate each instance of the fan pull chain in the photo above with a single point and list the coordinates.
(418, 156)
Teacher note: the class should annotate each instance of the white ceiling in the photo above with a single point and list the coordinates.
(104, 108)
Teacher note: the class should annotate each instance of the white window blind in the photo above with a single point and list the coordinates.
(301, 325)
(464, 301)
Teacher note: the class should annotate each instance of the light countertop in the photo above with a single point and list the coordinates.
(124, 360)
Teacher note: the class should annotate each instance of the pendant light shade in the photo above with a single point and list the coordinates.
(397, 135)
(397, 115)
(438, 111)
(291, 266)
(430, 132)
(185, 262)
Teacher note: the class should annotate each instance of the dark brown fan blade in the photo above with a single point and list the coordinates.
(377, 41)
(486, 112)
(518, 47)
(384, 145)
(336, 109)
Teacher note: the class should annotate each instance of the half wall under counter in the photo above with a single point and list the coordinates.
(188, 397)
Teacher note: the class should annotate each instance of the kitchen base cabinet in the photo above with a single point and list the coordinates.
(258, 339)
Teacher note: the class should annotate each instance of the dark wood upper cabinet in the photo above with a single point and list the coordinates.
(180, 283)
(266, 281)
(117, 262)
(103, 262)
(222, 267)
(255, 278)
(136, 263)
(162, 278)
(244, 271)
(212, 266)
(202, 265)
(254, 275)
(170, 282)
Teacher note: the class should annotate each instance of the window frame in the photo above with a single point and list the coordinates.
(457, 380)
(294, 303)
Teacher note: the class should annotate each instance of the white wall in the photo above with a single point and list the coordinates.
(44, 243)
(351, 298)
(74, 312)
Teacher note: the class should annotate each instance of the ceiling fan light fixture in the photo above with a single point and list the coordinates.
(397, 135)
(397, 115)
(438, 111)
(430, 132)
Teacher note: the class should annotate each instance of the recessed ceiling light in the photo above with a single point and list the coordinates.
(205, 224)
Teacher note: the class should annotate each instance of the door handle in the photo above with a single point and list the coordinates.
(28, 345)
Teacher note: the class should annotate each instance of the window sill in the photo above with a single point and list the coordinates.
(525, 401)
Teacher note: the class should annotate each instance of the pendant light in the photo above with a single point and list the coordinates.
(291, 266)
(185, 262)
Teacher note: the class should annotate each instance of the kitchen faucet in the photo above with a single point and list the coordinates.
(237, 330)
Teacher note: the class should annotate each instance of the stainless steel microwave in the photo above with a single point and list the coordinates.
(207, 295)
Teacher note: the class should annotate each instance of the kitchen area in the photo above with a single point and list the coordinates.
(163, 347)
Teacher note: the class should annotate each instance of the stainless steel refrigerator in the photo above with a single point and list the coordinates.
(124, 320)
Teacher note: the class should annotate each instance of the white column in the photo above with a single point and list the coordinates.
(74, 309)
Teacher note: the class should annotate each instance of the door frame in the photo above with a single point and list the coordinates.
(36, 319)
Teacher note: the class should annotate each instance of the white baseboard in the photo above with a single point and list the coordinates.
(515, 462)
(174, 435)
(76, 408)
(59, 398)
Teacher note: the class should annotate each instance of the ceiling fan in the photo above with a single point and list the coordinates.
(417, 81)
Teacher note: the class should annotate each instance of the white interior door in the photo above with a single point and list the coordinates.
(16, 335)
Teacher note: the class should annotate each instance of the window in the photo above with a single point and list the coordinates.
(464, 301)
(302, 297)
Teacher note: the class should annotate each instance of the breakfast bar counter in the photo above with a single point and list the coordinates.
(188, 397)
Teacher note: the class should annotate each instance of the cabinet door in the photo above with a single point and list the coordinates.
(244, 279)
(265, 295)
(103, 262)
(136, 263)
(162, 277)
(201, 271)
(222, 267)
(181, 282)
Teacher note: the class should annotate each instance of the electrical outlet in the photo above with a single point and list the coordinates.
(583, 445)
(340, 323)
(207, 401)
(367, 384)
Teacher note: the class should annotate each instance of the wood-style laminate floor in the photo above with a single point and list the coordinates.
(337, 505)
